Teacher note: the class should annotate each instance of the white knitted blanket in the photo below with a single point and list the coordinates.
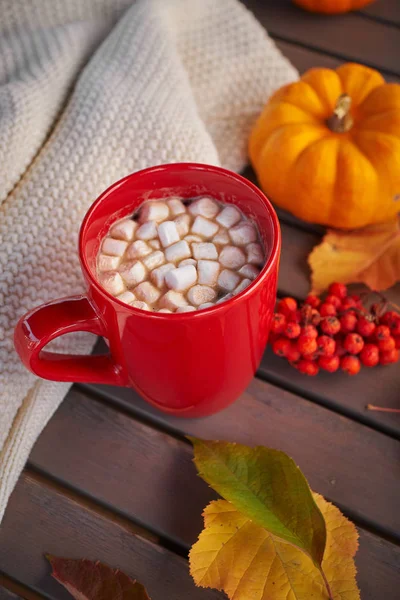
(91, 90)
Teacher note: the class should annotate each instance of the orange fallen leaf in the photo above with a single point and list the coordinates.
(370, 255)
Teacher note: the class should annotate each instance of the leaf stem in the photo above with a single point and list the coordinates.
(328, 587)
(382, 409)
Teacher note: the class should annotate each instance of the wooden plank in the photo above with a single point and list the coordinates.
(345, 36)
(332, 450)
(387, 10)
(40, 520)
(7, 595)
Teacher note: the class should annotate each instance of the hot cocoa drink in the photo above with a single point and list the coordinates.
(177, 255)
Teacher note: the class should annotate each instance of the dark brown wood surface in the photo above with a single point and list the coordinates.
(112, 479)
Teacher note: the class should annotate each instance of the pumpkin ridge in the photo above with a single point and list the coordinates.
(310, 146)
(278, 100)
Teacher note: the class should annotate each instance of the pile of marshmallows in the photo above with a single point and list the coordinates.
(178, 258)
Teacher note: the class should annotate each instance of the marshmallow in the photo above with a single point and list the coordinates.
(158, 275)
(199, 294)
(155, 244)
(168, 233)
(224, 298)
(188, 261)
(204, 227)
(193, 238)
(176, 207)
(165, 310)
(139, 304)
(229, 216)
(205, 250)
(114, 247)
(255, 254)
(183, 309)
(147, 231)
(178, 251)
(249, 271)
(206, 207)
(108, 263)
(138, 249)
(124, 230)
(153, 260)
(173, 300)
(182, 278)
(221, 237)
(147, 292)
(182, 224)
(153, 211)
(242, 285)
(232, 257)
(206, 305)
(228, 280)
(132, 272)
(112, 282)
(243, 233)
(127, 297)
(208, 272)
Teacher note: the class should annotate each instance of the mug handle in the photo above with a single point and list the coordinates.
(47, 322)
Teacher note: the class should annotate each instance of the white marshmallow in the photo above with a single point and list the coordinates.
(155, 244)
(178, 251)
(221, 237)
(206, 207)
(255, 254)
(206, 305)
(154, 211)
(249, 271)
(124, 230)
(183, 309)
(188, 261)
(176, 206)
(168, 233)
(139, 304)
(208, 272)
(181, 279)
(232, 257)
(165, 310)
(158, 275)
(204, 227)
(205, 250)
(193, 238)
(114, 247)
(173, 300)
(108, 263)
(229, 216)
(243, 233)
(199, 294)
(153, 260)
(242, 286)
(127, 297)
(182, 224)
(228, 280)
(112, 282)
(138, 249)
(224, 298)
(147, 231)
(132, 272)
(147, 292)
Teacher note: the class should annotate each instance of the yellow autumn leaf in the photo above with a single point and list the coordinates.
(370, 256)
(245, 561)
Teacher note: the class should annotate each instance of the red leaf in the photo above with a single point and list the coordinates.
(86, 580)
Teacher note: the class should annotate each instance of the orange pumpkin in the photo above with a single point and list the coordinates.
(331, 7)
(327, 147)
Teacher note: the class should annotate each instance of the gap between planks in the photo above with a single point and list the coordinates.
(19, 590)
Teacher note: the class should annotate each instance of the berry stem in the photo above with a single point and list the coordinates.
(382, 409)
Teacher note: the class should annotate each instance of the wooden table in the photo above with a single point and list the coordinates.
(112, 479)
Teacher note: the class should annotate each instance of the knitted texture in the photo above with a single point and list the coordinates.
(91, 90)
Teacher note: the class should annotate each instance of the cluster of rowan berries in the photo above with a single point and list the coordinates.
(337, 332)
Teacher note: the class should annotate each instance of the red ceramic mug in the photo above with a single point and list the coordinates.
(189, 364)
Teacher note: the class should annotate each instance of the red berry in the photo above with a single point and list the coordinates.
(315, 317)
(395, 328)
(292, 330)
(329, 363)
(310, 330)
(293, 355)
(347, 303)
(391, 356)
(369, 355)
(340, 349)
(327, 310)
(330, 325)
(295, 317)
(281, 346)
(333, 300)
(350, 364)
(308, 367)
(356, 299)
(326, 345)
(278, 323)
(365, 326)
(397, 341)
(348, 322)
(390, 318)
(353, 343)
(313, 301)
(287, 306)
(382, 332)
(387, 344)
(338, 289)
(306, 344)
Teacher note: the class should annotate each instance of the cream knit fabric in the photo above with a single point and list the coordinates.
(91, 90)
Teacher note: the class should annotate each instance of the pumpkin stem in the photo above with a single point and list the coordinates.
(341, 121)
